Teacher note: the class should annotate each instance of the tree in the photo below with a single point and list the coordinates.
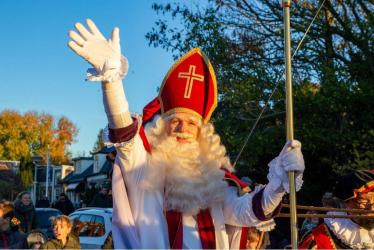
(99, 144)
(332, 77)
(22, 136)
(26, 168)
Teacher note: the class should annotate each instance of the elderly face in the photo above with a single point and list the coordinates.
(363, 201)
(183, 126)
(61, 230)
(26, 199)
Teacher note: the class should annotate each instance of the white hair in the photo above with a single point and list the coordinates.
(191, 174)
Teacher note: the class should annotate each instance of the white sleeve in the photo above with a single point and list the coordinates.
(247, 209)
(115, 104)
(271, 198)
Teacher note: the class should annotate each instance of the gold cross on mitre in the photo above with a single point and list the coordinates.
(190, 76)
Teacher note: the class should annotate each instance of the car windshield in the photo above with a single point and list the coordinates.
(45, 217)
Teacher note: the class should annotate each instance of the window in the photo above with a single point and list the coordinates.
(88, 225)
(99, 227)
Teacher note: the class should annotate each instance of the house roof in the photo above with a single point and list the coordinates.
(82, 158)
(105, 169)
(73, 177)
(105, 150)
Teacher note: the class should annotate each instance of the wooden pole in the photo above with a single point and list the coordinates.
(340, 216)
(330, 209)
(289, 118)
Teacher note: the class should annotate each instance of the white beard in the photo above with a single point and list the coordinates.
(190, 179)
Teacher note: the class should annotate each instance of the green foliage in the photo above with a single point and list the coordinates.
(99, 144)
(26, 169)
(88, 194)
(333, 86)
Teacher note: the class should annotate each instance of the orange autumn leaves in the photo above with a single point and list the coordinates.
(24, 135)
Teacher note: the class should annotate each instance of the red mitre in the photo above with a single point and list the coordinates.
(190, 86)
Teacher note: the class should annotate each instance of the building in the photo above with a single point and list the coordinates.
(89, 173)
(103, 166)
(9, 165)
(55, 176)
(75, 182)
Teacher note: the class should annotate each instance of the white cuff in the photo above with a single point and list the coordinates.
(108, 143)
(278, 177)
(113, 70)
(266, 226)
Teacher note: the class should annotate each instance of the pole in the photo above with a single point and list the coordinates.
(289, 117)
(53, 193)
(35, 182)
(47, 175)
(331, 209)
(335, 216)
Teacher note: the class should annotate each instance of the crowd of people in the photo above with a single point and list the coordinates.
(15, 232)
(18, 221)
(19, 227)
(352, 191)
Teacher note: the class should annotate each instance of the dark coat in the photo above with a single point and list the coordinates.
(13, 240)
(71, 243)
(26, 215)
(66, 207)
(42, 203)
(100, 200)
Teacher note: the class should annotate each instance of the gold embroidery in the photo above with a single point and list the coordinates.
(191, 76)
(211, 71)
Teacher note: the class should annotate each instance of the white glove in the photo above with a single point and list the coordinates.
(289, 159)
(104, 55)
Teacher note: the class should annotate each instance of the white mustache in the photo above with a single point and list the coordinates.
(182, 135)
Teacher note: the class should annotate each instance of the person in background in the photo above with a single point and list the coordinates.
(25, 212)
(356, 191)
(64, 205)
(43, 202)
(101, 199)
(329, 200)
(309, 223)
(110, 198)
(10, 236)
(257, 239)
(64, 238)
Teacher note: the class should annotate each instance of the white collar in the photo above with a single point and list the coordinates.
(350, 233)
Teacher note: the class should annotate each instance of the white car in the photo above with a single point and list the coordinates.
(93, 225)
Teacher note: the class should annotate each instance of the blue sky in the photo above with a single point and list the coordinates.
(40, 73)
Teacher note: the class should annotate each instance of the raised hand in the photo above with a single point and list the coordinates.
(94, 47)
